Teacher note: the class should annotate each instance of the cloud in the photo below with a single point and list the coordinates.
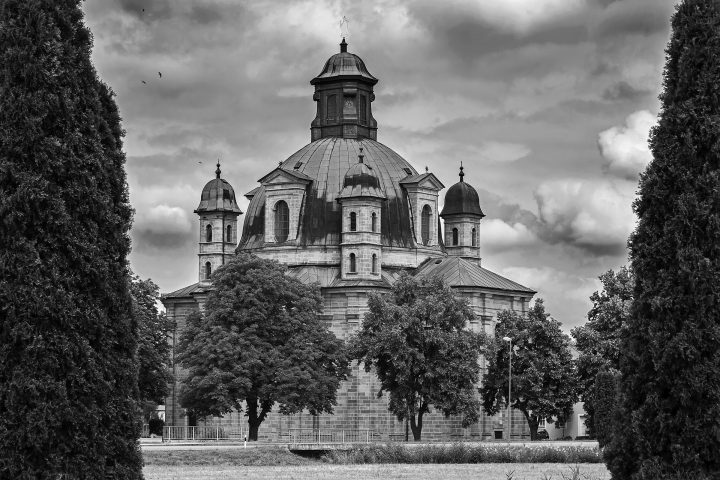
(497, 235)
(162, 226)
(593, 215)
(622, 91)
(566, 294)
(625, 147)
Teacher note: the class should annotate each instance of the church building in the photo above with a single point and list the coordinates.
(350, 214)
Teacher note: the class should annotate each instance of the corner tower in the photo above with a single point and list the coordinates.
(462, 215)
(344, 93)
(218, 212)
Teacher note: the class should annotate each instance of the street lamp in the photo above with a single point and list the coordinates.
(509, 340)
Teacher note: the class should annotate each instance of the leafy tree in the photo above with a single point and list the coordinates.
(416, 340)
(598, 341)
(260, 341)
(68, 372)
(671, 360)
(153, 347)
(544, 383)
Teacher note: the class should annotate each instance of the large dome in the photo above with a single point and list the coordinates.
(326, 161)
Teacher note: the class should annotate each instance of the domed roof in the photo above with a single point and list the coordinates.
(218, 196)
(344, 64)
(327, 161)
(360, 181)
(461, 199)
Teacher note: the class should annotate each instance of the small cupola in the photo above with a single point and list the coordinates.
(361, 181)
(462, 214)
(462, 199)
(344, 93)
(218, 196)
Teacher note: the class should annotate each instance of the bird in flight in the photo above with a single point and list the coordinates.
(160, 74)
(144, 82)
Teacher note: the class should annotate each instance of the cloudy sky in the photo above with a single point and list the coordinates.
(546, 102)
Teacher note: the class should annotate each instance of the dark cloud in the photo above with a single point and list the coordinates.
(207, 13)
(147, 10)
(639, 17)
(622, 91)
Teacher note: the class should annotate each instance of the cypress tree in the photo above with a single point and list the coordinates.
(68, 373)
(670, 386)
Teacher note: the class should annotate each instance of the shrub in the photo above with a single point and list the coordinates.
(156, 426)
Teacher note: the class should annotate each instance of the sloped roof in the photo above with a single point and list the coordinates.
(460, 272)
(186, 291)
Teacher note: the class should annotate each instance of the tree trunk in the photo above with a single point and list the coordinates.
(532, 423)
(253, 421)
(416, 426)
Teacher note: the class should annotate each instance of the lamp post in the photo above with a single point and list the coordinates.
(509, 417)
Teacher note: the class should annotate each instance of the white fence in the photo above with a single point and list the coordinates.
(306, 436)
(203, 433)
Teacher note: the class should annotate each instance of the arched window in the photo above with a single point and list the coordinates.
(208, 270)
(208, 233)
(282, 221)
(425, 224)
(455, 236)
(353, 222)
(474, 237)
(353, 266)
(373, 222)
(374, 263)
(228, 235)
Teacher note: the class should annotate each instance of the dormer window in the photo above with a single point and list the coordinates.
(373, 222)
(353, 222)
(425, 224)
(208, 233)
(455, 236)
(228, 234)
(282, 221)
(353, 264)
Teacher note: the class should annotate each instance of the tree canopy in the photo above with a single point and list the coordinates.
(417, 341)
(260, 341)
(153, 347)
(670, 393)
(544, 383)
(598, 340)
(68, 375)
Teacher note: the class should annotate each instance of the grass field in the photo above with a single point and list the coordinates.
(324, 471)
(281, 464)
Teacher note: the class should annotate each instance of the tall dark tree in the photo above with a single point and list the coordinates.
(417, 340)
(68, 372)
(598, 340)
(670, 383)
(544, 384)
(153, 347)
(260, 342)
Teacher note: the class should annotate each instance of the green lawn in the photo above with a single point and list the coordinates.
(275, 463)
(324, 471)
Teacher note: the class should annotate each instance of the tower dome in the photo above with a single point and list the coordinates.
(218, 196)
(461, 199)
(344, 93)
(361, 181)
(344, 64)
